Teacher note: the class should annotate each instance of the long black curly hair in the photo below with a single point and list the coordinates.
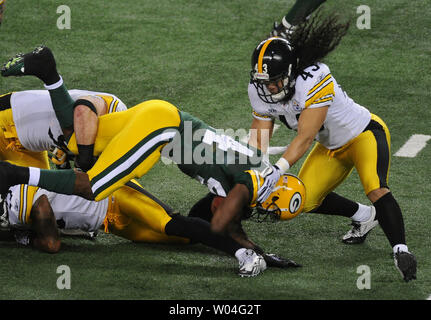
(315, 38)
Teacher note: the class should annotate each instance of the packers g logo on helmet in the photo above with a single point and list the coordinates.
(286, 200)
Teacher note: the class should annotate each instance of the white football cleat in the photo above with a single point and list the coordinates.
(251, 264)
(360, 230)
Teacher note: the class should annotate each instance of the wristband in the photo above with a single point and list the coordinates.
(283, 164)
(34, 176)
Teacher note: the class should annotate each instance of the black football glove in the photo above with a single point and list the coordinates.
(273, 260)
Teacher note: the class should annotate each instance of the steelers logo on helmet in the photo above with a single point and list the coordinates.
(286, 200)
(274, 70)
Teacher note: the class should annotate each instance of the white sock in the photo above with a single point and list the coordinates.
(34, 176)
(239, 253)
(53, 86)
(400, 247)
(363, 213)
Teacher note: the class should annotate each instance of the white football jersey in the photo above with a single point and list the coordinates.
(36, 123)
(317, 88)
(71, 212)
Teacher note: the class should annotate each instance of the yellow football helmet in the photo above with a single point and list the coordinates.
(286, 200)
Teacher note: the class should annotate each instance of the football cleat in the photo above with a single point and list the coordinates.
(14, 66)
(406, 265)
(273, 260)
(39, 63)
(360, 230)
(251, 264)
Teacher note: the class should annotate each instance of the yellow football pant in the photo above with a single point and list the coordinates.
(129, 143)
(324, 169)
(11, 149)
(136, 217)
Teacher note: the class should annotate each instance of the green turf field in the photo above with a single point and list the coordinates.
(196, 54)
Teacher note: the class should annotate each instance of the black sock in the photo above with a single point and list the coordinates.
(202, 208)
(301, 9)
(199, 230)
(334, 204)
(42, 65)
(85, 156)
(390, 218)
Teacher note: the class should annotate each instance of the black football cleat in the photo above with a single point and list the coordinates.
(275, 261)
(406, 264)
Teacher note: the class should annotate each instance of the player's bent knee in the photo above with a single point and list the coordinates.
(89, 105)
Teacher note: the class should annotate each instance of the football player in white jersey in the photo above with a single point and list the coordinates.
(290, 83)
(125, 213)
(30, 127)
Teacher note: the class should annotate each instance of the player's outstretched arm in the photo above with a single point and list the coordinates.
(230, 208)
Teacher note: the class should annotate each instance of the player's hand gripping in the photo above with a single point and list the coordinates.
(271, 174)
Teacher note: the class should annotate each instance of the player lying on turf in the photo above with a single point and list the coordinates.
(130, 213)
(30, 127)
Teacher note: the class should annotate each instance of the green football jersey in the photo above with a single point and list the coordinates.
(212, 157)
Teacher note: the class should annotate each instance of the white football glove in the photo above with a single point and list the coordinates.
(271, 174)
(283, 29)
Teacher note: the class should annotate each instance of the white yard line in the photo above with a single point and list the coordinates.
(413, 146)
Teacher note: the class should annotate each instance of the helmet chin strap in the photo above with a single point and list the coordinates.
(271, 211)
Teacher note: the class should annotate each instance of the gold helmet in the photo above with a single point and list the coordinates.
(286, 200)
